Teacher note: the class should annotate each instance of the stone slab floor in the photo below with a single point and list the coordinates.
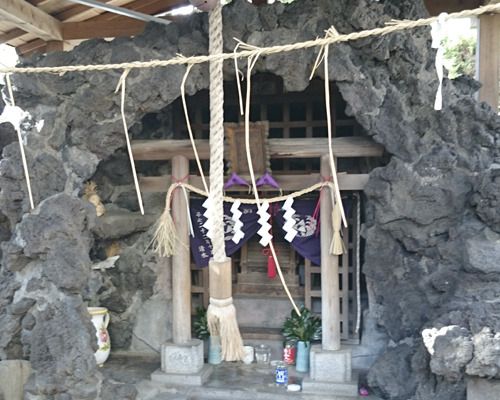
(228, 381)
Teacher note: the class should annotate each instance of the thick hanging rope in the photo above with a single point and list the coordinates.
(391, 27)
(122, 83)
(221, 313)
(217, 135)
(20, 140)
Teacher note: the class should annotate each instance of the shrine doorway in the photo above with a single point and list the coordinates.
(261, 302)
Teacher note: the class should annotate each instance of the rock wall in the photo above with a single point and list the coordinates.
(432, 229)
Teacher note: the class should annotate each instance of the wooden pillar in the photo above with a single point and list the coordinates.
(181, 261)
(489, 58)
(330, 302)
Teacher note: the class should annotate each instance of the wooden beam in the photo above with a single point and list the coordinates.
(31, 19)
(160, 184)
(353, 146)
(80, 13)
(436, 7)
(489, 58)
(55, 45)
(37, 45)
(10, 35)
(101, 29)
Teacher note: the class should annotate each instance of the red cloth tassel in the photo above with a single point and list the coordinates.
(271, 266)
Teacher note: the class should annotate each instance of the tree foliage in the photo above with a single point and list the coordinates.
(460, 56)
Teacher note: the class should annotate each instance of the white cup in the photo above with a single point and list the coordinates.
(247, 354)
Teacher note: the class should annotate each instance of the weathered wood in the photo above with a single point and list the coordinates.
(307, 284)
(437, 7)
(344, 293)
(181, 261)
(55, 45)
(12, 34)
(99, 29)
(31, 19)
(220, 279)
(37, 45)
(235, 134)
(330, 307)
(489, 58)
(287, 182)
(356, 146)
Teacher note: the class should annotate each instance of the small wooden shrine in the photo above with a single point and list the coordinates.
(290, 132)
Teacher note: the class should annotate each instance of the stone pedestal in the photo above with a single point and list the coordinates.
(331, 373)
(13, 376)
(482, 389)
(182, 364)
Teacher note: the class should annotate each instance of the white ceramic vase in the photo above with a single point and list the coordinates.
(100, 319)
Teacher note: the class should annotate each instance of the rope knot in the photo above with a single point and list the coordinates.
(330, 33)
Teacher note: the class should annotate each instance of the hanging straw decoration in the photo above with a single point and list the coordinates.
(323, 57)
(221, 313)
(337, 246)
(20, 140)
(122, 84)
(165, 237)
(190, 130)
(251, 64)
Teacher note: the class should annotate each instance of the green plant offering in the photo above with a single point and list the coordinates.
(305, 328)
(200, 324)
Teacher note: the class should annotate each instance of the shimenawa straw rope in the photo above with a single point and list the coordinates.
(391, 27)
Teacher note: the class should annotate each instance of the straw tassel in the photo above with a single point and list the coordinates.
(337, 246)
(165, 236)
(222, 322)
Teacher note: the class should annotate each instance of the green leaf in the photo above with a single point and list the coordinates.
(306, 327)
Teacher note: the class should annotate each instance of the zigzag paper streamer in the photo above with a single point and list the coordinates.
(208, 225)
(236, 215)
(289, 226)
(263, 232)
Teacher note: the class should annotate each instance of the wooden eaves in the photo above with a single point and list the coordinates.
(45, 25)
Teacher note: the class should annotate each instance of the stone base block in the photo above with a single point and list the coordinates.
(195, 379)
(182, 358)
(13, 376)
(340, 389)
(331, 373)
(482, 389)
(330, 366)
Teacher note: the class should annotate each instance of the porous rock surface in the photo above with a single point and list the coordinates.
(432, 221)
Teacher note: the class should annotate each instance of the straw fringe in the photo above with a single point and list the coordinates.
(337, 247)
(222, 322)
(165, 236)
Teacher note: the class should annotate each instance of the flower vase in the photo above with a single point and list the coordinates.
(214, 350)
(302, 360)
(100, 320)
